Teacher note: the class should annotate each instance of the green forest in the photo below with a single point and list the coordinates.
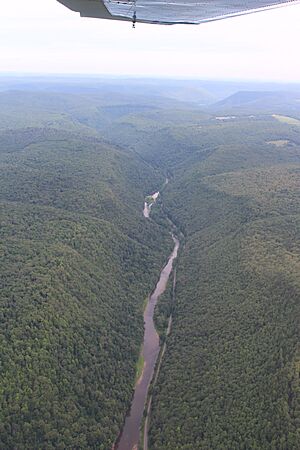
(78, 260)
(230, 377)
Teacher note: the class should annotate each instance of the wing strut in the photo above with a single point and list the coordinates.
(134, 19)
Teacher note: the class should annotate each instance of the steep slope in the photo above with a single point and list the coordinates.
(77, 261)
(230, 377)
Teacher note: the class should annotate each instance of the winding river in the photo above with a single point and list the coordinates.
(130, 434)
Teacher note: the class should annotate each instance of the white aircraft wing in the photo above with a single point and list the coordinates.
(170, 12)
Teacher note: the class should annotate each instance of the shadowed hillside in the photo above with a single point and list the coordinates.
(78, 259)
(230, 378)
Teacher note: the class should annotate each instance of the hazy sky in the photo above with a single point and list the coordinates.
(43, 36)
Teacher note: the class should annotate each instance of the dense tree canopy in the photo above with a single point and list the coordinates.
(230, 377)
(78, 260)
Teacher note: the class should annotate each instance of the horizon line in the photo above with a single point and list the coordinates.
(141, 77)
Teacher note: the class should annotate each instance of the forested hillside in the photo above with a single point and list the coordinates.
(230, 378)
(77, 261)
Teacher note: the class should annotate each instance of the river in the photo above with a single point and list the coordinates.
(148, 206)
(130, 434)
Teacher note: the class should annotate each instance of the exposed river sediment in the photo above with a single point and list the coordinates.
(130, 435)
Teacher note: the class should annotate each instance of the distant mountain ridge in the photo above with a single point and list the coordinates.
(261, 100)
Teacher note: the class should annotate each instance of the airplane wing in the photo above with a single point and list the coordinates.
(172, 11)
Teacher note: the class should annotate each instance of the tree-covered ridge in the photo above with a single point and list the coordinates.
(178, 145)
(77, 261)
(230, 378)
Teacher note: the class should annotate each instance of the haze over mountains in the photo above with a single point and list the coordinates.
(77, 158)
(187, 91)
(264, 101)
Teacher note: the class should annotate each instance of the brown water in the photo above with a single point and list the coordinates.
(131, 431)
